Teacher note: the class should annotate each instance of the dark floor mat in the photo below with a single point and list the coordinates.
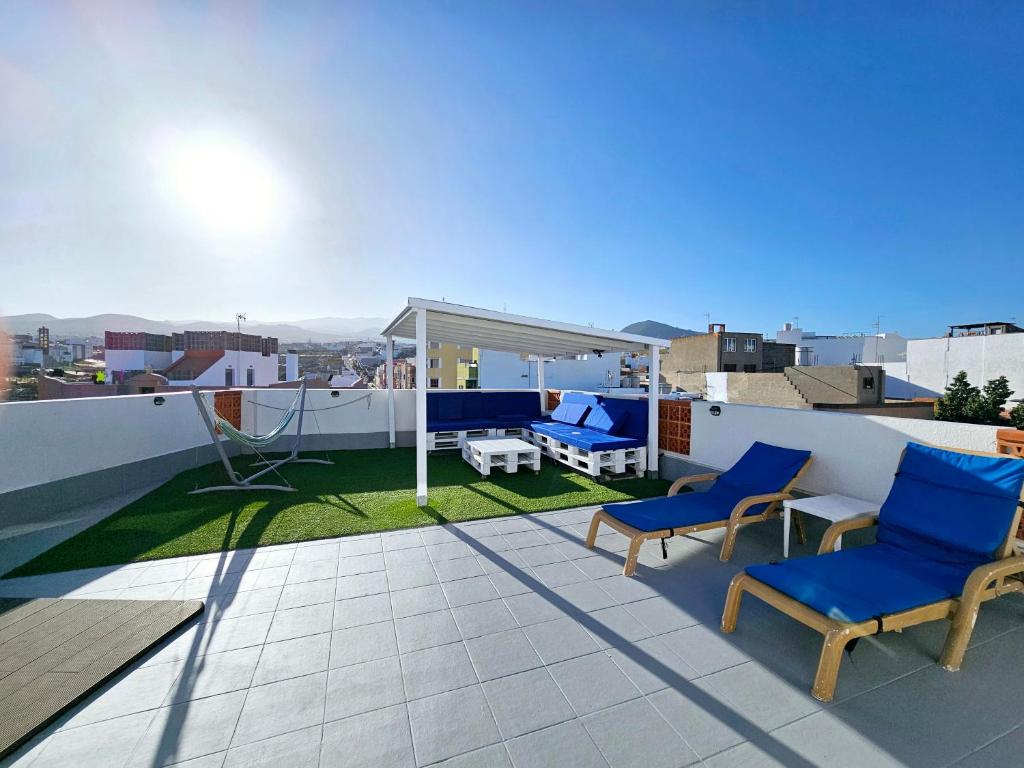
(54, 652)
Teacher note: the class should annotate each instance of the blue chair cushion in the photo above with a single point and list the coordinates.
(763, 468)
(570, 413)
(680, 511)
(865, 582)
(951, 507)
(449, 405)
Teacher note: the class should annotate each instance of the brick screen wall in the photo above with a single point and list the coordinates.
(229, 406)
(674, 426)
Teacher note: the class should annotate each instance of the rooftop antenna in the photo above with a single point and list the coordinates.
(707, 319)
(239, 317)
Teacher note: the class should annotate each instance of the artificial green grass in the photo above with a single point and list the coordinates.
(368, 490)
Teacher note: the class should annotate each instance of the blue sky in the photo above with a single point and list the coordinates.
(589, 162)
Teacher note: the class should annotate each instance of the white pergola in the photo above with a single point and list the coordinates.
(426, 321)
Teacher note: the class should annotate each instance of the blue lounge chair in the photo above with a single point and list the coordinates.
(944, 544)
(749, 492)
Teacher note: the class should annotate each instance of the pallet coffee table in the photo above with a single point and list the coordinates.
(507, 453)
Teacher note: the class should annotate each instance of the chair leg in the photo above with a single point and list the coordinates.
(960, 633)
(732, 602)
(801, 527)
(828, 664)
(730, 542)
(631, 556)
(595, 523)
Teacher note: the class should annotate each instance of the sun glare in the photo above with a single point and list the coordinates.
(224, 185)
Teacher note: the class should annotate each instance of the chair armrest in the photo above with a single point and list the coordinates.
(985, 574)
(752, 501)
(678, 484)
(834, 531)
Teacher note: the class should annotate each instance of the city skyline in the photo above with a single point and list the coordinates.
(596, 163)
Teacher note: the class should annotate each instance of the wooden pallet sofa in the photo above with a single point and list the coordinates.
(454, 416)
(945, 543)
(594, 434)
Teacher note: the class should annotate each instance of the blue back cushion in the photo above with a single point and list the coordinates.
(511, 404)
(951, 507)
(582, 398)
(449, 405)
(570, 413)
(763, 468)
(473, 405)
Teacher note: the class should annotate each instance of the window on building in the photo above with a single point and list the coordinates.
(749, 368)
(229, 377)
(750, 345)
(730, 343)
(869, 382)
(250, 377)
(433, 362)
(729, 368)
(434, 345)
(434, 383)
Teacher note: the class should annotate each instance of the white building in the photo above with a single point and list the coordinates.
(507, 370)
(932, 363)
(220, 368)
(865, 349)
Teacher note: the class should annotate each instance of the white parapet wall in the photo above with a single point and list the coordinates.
(47, 441)
(853, 455)
(329, 412)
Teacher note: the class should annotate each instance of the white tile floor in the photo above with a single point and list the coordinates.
(507, 643)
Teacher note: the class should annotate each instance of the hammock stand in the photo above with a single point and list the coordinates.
(254, 442)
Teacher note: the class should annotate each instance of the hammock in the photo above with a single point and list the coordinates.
(218, 425)
(257, 441)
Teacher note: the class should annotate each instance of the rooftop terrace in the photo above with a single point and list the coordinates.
(498, 641)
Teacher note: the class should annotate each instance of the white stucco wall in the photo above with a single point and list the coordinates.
(717, 386)
(869, 349)
(505, 370)
(853, 455)
(932, 363)
(353, 411)
(265, 370)
(47, 440)
(133, 360)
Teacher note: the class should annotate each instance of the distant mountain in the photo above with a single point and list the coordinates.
(657, 330)
(318, 330)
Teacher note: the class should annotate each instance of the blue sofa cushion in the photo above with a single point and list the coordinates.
(680, 511)
(472, 409)
(581, 437)
(449, 407)
(865, 582)
(584, 398)
(605, 418)
(570, 413)
(951, 507)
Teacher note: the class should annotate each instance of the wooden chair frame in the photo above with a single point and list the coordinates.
(986, 582)
(732, 524)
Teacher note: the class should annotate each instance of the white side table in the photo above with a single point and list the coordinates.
(832, 507)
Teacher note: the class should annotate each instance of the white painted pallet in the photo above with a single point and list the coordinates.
(593, 463)
(440, 441)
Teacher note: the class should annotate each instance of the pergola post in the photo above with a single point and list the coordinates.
(540, 383)
(653, 390)
(389, 374)
(421, 407)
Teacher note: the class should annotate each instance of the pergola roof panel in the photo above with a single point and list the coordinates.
(500, 331)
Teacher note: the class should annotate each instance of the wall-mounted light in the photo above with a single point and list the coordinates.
(158, 401)
(335, 393)
(715, 410)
